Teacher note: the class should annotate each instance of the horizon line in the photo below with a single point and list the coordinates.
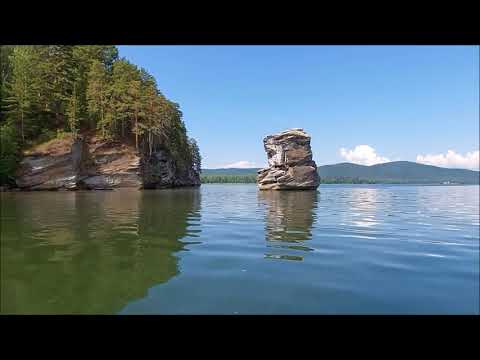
(346, 162)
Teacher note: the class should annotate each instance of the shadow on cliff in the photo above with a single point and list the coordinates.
(91, 252)
(289, 218)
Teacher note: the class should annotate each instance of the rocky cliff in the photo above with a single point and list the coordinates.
(92, 163)
(290, 162)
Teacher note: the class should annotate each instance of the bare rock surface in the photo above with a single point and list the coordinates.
(291, 166)
(92, 163)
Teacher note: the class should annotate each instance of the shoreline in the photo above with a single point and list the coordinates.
(19, 190)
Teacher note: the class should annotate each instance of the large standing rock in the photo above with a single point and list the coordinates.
(290, 162)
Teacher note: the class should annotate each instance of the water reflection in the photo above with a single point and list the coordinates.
(91, 252)
(363, 204)
(289, 218)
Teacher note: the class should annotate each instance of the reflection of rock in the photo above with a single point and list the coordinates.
(91, 252)
(284, 257)
(289, 216)
(290, 162)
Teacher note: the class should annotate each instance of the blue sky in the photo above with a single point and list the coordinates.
(401, 101)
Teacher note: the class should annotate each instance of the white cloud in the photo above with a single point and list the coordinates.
(452, 160)
(363, 155)
(240, 164)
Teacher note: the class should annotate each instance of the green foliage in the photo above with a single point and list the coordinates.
(46, 135)
(210, 179)
(57, 71)
(97, 95)
(55, 88)
(195, 153)
(61, 134)
(74, 111)
(85, 57)
(5, 75)
(21, 98)
(345, 180)
(8, 153)
(121, 100)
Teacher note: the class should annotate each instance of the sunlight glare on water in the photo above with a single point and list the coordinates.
(230, 249)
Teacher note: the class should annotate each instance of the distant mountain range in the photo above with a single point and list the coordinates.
(391, 172)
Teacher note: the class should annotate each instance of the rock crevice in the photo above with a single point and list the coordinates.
(290, 162)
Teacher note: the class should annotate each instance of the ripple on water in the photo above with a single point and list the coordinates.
(230, 248)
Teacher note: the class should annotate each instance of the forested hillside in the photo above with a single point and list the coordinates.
(398, 172)
(49, 90)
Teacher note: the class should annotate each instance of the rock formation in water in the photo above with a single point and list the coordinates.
(95, 164)
(290, 162)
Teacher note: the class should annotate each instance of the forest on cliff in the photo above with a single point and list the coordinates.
(49, 90)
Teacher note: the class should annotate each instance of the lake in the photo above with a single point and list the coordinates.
(230, 249)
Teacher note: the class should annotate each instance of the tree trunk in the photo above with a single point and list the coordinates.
(136, 132)
(21, 126)
(102, 122)
(150, 142)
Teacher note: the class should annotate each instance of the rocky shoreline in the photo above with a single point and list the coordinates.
(91, 163)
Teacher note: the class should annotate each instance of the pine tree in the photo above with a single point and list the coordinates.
(22, 90)
(8, 153)
(196, 158)
(152, 112)
(58, 75)
(98, 97)
(84, 56)
(137, 108)
(121, 99)
(5, 76)
(73, 111)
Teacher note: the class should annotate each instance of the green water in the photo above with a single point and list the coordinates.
(89, 252)
(229, 249)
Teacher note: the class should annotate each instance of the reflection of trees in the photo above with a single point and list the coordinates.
(90, 252)
(289, 218)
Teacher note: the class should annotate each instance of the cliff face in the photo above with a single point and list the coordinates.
(290, 162)
(95, 164)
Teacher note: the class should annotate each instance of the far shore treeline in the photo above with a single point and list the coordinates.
(250, 179)
(396, 172)
(47, 91)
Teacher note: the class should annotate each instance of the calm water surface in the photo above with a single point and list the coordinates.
(230, 249)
